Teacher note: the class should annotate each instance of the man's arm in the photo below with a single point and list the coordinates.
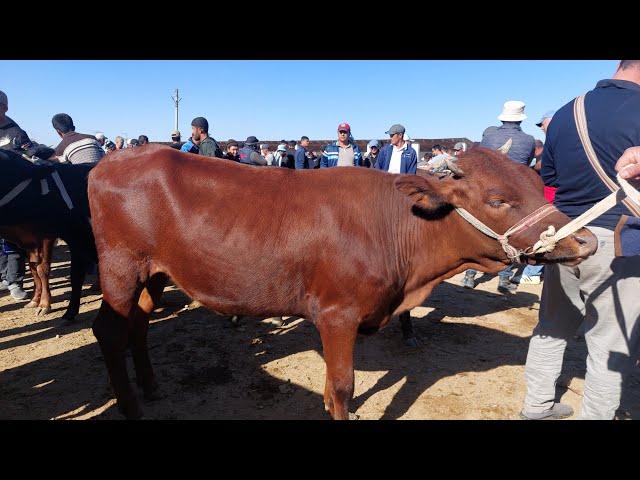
(548, 166)
(257, 159)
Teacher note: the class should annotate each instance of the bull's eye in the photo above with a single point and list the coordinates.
(496, 202)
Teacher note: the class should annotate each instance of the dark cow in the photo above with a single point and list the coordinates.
(34, 221)
(243, 240)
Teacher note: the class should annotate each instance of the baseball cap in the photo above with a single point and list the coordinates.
(200, 122)
(396, 128)
(175, 133)
(264, 146)
(548, 114)
(99, 136)
(374, 143)
(344, 126)
(282, 148)
(460, 146)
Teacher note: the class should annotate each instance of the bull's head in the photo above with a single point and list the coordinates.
(499, 193)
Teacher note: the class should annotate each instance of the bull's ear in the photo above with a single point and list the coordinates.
(429, 198)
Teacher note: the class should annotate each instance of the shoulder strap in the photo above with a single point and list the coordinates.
(583, 132)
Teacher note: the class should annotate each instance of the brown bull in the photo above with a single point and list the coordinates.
(345, 248)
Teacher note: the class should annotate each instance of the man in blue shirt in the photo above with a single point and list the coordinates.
(601, 291)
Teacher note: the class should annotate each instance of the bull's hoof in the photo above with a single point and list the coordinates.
(412, 342)
(31, 304)
(41, 311)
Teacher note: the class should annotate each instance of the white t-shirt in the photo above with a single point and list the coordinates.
(396, 155)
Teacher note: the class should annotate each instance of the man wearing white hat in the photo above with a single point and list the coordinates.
(522, 151)
(522, 148)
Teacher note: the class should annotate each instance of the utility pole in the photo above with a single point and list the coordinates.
(176, 101)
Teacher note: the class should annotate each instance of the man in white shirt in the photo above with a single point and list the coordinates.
(399, 157)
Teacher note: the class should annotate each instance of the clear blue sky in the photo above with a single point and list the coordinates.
(287, 99)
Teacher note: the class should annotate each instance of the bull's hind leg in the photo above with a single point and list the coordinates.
(338, 335)
(112, 332)
(113, 326)
(149, 298)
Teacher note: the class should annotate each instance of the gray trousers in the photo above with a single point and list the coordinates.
(12, 268)
(603, 291)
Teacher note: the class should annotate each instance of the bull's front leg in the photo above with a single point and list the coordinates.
(44, 272)
(338, 339)
(37, 285)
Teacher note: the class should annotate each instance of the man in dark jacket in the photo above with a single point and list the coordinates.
(12, 258)
(232, 151)
(9, 130)
(175, 140)
(302, 159)
(399, 157)
(249, 153)
(200, 133)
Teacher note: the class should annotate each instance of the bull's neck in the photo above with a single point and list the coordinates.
(434, 250)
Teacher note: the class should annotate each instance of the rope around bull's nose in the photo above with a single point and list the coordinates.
(550, 237)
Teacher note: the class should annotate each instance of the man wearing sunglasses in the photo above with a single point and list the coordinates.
(344, 152)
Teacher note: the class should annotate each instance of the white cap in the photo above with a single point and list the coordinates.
(100, 135)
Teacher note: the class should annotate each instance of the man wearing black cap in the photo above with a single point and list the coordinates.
(249, 153)
(200, 133)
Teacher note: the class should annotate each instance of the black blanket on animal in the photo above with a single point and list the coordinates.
(48, 211)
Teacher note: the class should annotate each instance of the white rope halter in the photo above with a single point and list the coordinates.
(549, 238)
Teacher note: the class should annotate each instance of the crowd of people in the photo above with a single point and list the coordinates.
(597, 295)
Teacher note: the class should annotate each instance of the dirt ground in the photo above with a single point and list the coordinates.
(470, 364)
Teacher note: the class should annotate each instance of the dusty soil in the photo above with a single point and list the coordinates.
(470, 364)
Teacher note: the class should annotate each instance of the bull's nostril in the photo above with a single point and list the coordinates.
(579, 239)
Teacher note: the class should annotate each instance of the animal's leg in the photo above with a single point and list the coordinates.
(37, 285)
(148, 299)
(44, 271)
(112, 332)
(408, 335)
(79, 264)
(338, 335)
(121, 283)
